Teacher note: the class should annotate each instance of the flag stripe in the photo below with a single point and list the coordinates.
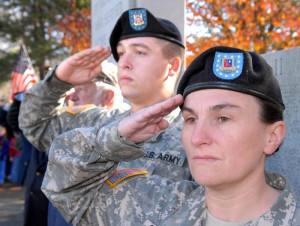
(23, 76)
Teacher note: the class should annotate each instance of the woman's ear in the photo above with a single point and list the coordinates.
(276, 135)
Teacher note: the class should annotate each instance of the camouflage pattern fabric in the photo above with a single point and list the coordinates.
(41, 123)
(81, 160)
(39, 117)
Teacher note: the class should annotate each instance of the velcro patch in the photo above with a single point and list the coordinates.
(122, 174)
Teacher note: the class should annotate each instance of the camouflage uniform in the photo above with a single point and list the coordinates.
(81, 164)
(164, 154)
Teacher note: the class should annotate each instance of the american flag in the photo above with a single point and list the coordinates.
(227, 62)
(23, 76)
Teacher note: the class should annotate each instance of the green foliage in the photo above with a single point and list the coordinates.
(6, 65)
(34, 22)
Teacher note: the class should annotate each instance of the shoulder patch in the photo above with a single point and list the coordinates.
(122, 174)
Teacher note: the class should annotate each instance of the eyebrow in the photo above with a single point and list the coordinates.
(220, 107)
(184, 108)
(217, 107)
(135, 45)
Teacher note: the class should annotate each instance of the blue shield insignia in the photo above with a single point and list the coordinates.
(228, 66)
(138, 19)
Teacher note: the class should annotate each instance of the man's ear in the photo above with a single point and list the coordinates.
(174, 66)
(276, 135)
(108, 97)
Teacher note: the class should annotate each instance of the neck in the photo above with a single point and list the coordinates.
(160, 94)
(138, 105)
(244, 201)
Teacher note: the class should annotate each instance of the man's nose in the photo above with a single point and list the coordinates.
(125, 62)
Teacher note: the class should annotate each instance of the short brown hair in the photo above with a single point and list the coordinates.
(170, 50)
(269, 112)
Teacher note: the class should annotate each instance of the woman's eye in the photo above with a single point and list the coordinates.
(189, 120)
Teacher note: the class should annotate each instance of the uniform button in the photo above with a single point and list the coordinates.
(38, 173)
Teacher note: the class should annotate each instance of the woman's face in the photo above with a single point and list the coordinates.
(223, 136)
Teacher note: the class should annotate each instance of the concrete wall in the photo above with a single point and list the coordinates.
(106, 12)
(286, 65)
(174, 10)
(104, 15)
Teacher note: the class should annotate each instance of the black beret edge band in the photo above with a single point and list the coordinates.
(148, 34)
(233, 87)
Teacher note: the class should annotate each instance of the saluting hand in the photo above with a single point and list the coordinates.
(145, 123)
(83, 66)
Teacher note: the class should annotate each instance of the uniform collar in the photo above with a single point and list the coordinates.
(283, 210)
(173, 115)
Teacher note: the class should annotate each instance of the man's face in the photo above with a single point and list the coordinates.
(142, 70)
(84, 94)
(223, 136)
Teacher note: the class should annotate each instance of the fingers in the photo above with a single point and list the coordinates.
(171, 103)
(163, 124)
(91, 57)
(159, 110)
(145, 123)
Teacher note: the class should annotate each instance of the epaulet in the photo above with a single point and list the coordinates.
(122, 174)
(73, 110)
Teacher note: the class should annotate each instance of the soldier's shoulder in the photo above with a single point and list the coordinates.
(296, 219)
(74, 110)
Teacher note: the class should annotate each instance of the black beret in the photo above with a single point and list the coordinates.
(139, 22)
(232, 69)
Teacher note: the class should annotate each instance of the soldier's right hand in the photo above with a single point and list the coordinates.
(83, 66)
(147, 122)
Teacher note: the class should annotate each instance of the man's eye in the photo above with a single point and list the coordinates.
(140, 52)
(120, 53)
(222, 119)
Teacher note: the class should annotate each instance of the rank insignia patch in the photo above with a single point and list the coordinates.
(138, 19)
(228, 66)
(122, 174)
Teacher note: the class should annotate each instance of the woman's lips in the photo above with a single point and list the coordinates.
(205, 158)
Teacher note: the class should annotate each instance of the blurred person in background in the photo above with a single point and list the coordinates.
(102, 92)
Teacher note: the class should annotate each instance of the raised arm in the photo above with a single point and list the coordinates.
(80, 160)
(82, 67)
(38, 117)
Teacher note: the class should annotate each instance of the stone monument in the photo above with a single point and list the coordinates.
(105, 14)
(286, 65)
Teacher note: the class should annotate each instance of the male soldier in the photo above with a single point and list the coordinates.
(233, 119)
(149, 56)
